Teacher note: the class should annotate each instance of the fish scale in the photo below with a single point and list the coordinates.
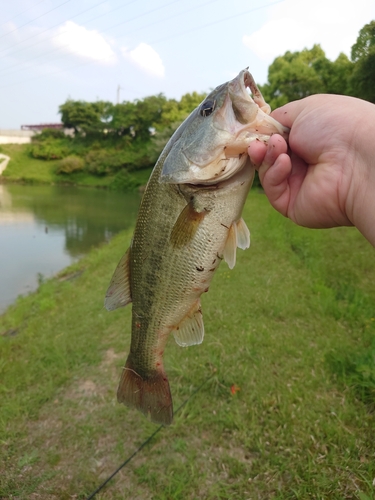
(189, 221)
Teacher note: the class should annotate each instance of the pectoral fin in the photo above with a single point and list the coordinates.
(118, 293)
(186, 225)
(191, 329)
(238, 236)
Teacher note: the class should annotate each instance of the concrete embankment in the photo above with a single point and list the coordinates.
(11, 136)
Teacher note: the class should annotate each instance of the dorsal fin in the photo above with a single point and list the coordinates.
(191, 329)
(118, 293)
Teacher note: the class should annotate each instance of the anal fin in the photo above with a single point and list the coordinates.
(191, 329)
(118, 293)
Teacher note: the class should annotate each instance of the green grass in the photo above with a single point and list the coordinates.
(23, 168)
(293, 326)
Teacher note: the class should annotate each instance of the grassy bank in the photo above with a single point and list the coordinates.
(23, 168)
(288, 413)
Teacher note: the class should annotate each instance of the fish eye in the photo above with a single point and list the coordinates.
(207, 107)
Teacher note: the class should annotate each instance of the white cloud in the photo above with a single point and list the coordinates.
(85, 43)
(295, 24)
(146, 58)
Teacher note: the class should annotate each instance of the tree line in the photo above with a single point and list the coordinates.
(136, 120)
(299, 74)
(116, 139)
(112, 139)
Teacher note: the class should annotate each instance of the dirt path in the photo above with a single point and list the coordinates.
(4, 159)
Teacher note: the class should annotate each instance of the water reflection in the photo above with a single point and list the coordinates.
(45, 228)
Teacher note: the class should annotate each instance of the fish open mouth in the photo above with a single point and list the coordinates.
(213, 145)
(255, 122)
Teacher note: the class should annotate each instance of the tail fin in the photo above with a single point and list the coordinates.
(151, 395)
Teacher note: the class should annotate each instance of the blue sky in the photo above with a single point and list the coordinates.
(52, 50)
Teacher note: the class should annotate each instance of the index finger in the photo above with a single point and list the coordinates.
(287, 114)
(314, 105)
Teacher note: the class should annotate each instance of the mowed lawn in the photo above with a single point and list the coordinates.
(23, 168)
(288, 412)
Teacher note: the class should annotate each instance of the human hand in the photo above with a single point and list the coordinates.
(329, 177)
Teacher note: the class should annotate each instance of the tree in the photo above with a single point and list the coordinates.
(87, 117)
(123, 119)
(298, 74)
(148, 115)
(138, 118)
(292, 76)
(363, 55)
(190, 101)
(363, 80)
(175, 112)
(335, 75)
(365, 43)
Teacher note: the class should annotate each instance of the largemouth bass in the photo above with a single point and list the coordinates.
(189, 221)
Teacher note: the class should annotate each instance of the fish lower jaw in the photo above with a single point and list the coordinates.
(218, 174)
(240, 145)
(234, 165)
(238, 175)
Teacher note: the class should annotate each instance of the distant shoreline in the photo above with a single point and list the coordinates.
(21, 168)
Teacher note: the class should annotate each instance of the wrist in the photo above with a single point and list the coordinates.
(360, 205)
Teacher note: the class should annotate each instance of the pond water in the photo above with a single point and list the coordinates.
(45, 228)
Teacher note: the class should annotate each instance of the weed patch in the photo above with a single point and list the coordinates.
(287, 413)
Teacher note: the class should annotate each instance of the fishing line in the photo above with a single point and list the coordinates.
(225, 19)
(88, 21)
(21, 13)
(100, 487)
(176, 35)
(60, 24)
(35, 18)
(57, 49)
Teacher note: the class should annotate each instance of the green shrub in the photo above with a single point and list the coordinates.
(103, 162)
(48, 133)
(96, 145)
(48, 149)
(124, 181)
(70, 164)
